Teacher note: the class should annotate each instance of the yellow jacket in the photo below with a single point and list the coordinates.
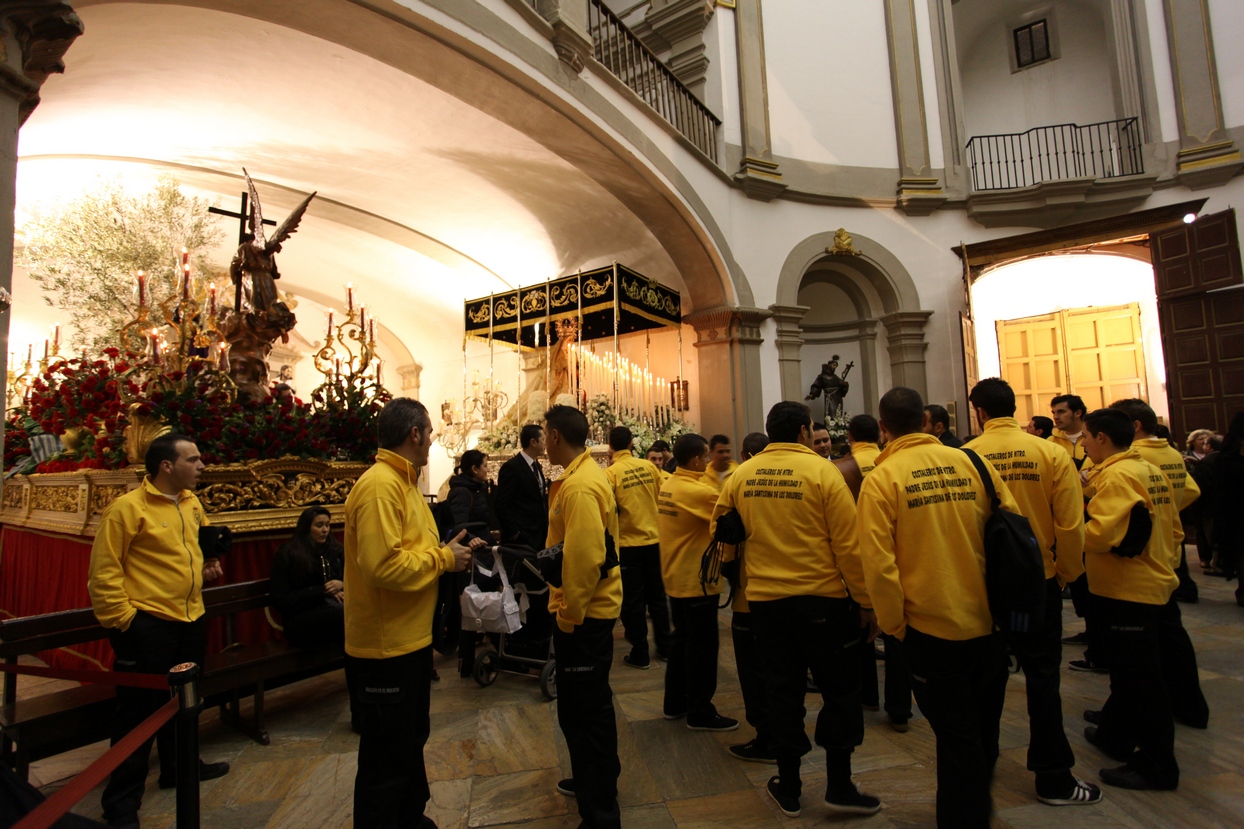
(1184, 490)
(392, 563)
(684, 516)
(1047, 489)
(579, 513)
(146, 557)
(922, 516)
(711, 476)
(800, 522)
(1124, 480)
(635, 484)
(865, 455)
(1075, 451)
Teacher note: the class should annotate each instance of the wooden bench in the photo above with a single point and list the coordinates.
(59, 721)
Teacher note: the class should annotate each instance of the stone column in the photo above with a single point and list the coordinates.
(571, 39)
(789, 341)
(34, 36)
(919, 189)
(1207, 155)
(905, 332)
(681, 24)
(729, 340)
(1129, 94)
(758, 175)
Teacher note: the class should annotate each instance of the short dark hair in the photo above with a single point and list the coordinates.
(1116, 423)
(569, 422)
(620, 438)
(1044, 425)
(398, 417)
(754, 444)
(689, 447)
(1073, 402)
(163, 448)
(1138, 410)
(470, 459)
(902, 411)
(658, 446)
(994, 396)
(785, 420)
(529, 435)
(863, 428)
(819, 427)
(718, 440)
(938, 414)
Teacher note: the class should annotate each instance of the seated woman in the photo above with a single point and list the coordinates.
(306, 582)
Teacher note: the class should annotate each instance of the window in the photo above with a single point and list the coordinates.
(1032, 44)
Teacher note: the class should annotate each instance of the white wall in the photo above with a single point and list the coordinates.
(1227, 22)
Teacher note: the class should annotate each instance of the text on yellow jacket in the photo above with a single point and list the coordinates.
(800, 523)
(1184, 489)
(922, 516)
(865, 455)
(393, 559)
(636, 485)
(1045, 485)
(684, 516)
(146, 557)
(1122, 481)
(580, 512)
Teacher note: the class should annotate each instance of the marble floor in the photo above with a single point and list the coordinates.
(496, 753)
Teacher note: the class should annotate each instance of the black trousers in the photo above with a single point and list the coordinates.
(317, 626)
(1082, 600)
(803, 633)
(150, 646)
(1138, 713)
(1179, 670)
(691, 676)
(750, 668)
(1040, 656)
(961, 686)
(1187, 589)
(897, 677)
(587, 719)
(392, 698)
(642, 589)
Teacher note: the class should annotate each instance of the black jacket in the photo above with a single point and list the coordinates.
(521, 504)
(468, 501)
(294, 588)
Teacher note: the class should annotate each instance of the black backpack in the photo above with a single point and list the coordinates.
(1014, 567)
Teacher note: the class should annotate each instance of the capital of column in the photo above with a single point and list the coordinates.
(905, 330)
(571, 40)
(715, 326)
(43, 31)
(410, 376)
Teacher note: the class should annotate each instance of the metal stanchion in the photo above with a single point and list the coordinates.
(183, 680)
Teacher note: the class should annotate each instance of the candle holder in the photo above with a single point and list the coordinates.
(348, 360)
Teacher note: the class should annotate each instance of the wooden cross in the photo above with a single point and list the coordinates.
(242, 215)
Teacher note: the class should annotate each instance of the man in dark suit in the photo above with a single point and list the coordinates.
(521, 497)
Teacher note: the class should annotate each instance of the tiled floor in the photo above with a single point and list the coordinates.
(496, 753)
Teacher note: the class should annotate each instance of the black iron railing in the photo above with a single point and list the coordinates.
(625, 55)
(1107, 150)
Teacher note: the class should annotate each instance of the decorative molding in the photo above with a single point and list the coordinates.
(570, 38)
(679, 26)
(723, 325)
(760, 179)
(44, 31)
(1054, 203)
(758, 174)
(907, 345)
(789, 344)
(918, 193)
(410, 376)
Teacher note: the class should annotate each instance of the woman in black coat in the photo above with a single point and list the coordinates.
(306, 582)
(469, 496)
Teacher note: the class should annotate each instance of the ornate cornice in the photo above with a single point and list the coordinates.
(725, 324)
(44, 30)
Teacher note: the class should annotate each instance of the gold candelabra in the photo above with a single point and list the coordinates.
(348, 359)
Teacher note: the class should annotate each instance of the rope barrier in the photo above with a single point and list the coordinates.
(158, 682)
(52, 809)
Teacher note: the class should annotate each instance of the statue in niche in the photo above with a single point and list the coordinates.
(259, 315)
(833, 387)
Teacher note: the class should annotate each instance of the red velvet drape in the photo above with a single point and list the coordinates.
(44, 572)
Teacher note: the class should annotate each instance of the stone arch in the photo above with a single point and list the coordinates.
(881, 290)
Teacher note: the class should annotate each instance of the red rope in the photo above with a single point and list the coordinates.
(52, 809)
(131, 680)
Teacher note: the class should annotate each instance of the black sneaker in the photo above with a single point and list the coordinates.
(849, 801)
(1081, 794)
(566, 787)
(1080, 638)
(207, 771)
(1087, 666)
(753, 752)
(1126, 777)
(717, 723)
(789, 805)
(1093, 717)
(635, 663)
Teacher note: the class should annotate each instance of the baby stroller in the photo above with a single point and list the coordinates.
(531, 646)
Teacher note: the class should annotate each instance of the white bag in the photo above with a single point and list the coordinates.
(490, 611)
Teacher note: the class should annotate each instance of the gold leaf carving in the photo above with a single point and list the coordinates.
(593, 289)
(103, 496)
(55, 498)
(15, 496)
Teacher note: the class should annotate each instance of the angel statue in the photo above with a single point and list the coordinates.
(834, 388)
(259, 315)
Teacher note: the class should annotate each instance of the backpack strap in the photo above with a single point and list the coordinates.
(986, 478)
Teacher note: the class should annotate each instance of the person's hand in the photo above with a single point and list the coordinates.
(462, 552)
(212, 570)
(869, 619)
(333, 589)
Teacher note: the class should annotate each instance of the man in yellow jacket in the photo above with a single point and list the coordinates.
(1044, 483)
(684, 516)
(636, 484)
(1129, 534)
(583, 518)
(802, 564)
(922, 516)
(393, 562)
(721, 463)
(145, 580)
(1067, 411)
(1179, 668)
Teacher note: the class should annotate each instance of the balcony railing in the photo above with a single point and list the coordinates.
(625, 55)
(1064, 151)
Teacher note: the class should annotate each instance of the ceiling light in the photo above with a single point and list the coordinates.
(1189, 218)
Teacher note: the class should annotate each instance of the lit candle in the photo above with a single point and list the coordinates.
(211, 301)
(56, 338)
(185, 259)
(30, 354)
(337, 368)
(330, 324)
(349, 297)
(371, 331)
(155, 344)
(45, 350)
(142, 288)
(362, 317)
(185, 283)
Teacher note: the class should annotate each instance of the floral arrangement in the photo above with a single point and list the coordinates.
(499, 438)
(837, 426)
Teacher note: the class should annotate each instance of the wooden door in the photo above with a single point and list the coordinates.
(1030, 353)
(970, 368)
(1105, 357)
(1201, 310)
